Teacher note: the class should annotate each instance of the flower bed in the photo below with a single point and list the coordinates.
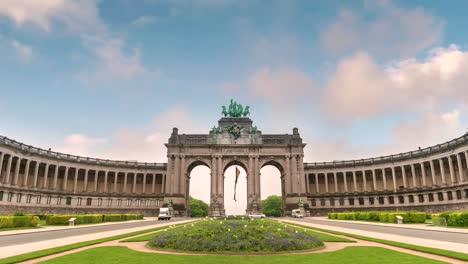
(235, 236)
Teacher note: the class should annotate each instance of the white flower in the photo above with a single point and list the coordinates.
(279, 229)
(229, 229)
(297, 231)
(245, 225)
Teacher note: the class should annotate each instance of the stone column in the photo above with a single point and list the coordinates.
(85, 183)
(300, 176)
(384, 179)
(442, 170)
(170, 167)
(374, 180)
(460, 168)
(1, 164)
(317, 186)
(354, 182)
(423, 171)
(394, 179)
(116, 177)
(345, 182)
(326, 182)
(36, 172)
(54, 187)
(431, 162)
(413, 175)
(403, 172)
(135, 174)
(294, 174)
(8, 170)
(335, 179)
(124, 189)
(183, 175)
(46, 176)
(144, 183)
(221, 175)
(249, 181)
(257, 177)
(75, 180)
(288, 180)
(364, 180)
(452, 174)
(163, 185)
(307, 183)
(17, 168)
(466, 160)
(96, 178)
(65, 179)
(153, 185)
(26, 173)
(106, 175)
(214, 177)
(176, 174)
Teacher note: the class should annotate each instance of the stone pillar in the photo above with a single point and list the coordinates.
(17, 168)
(8, 170)
(364, 180)
(214, 177)
(75, 180)
(394, 179)
(153, 185)
(1, 164)
(183, 175)
(413, 175)
(46, 176)
(423, 171)
(466, 161)
(403, 172)
(169, 173)
(135, 174)
(335, 179)
(301, 174)
(85, 183)
(36, 172)
(65, 179)
(106, 176)
(374, 180)
(307, 183)
(452, 174)
(354, 182)
(442, 170)
(163, 185)
(294, 174)
(384, 179)
(460, 168)
(326, 182)
(250, 177)
(431, 162)
(26, 173)
(54, 187)
(317, 185)
(116, 177)
(176, 174)
(96, 178)
(143, 187)
(221, 176)
(124, 188)
(345, 182)
(257, 177)
(288, 180)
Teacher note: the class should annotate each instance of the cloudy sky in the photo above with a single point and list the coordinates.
(111, 78)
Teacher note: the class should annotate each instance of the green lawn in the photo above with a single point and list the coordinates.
(352, 255)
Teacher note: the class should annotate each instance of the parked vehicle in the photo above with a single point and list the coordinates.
(296, 213)
(256, 215)
(165, 213)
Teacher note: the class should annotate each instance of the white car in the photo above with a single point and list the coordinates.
(297, 213)
(256, 216)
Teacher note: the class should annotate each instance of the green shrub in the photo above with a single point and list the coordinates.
(6, 221)
(383, 217)
(416, 217)
(438, 221)
(374, 216)
(18, 221)
(459, 219)
(19, 213)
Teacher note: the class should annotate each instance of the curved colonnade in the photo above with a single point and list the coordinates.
(43, 181)
(429, 179)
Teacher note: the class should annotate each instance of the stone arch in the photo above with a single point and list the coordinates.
(235, 162)
(192, 163)
(278, 164)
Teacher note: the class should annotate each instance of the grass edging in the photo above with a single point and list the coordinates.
(435, 251)
(55, 250)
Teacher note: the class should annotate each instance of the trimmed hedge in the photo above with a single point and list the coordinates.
(384, 217)
(91, 218)
(454, 218)
(11, 221)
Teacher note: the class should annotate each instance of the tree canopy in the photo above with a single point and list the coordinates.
(271, 206)
(198, 208)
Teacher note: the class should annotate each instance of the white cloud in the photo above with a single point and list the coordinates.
(360, 88)
(384, 29)
(24, 52)
(79, 144)
(144, 21)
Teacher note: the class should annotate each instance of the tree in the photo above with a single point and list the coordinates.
(198, 208)
(271, 206)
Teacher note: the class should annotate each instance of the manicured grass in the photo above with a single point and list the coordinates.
(352, 255)
(435, 251)
(50, 251)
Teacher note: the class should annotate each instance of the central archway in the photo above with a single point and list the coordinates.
(233, 190)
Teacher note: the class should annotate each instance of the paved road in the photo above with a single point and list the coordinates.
(17, 239)
(401, 231)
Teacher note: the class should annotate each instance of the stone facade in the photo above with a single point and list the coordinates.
(37, 180)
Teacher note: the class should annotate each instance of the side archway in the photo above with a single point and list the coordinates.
(198, 182)
(272, 181)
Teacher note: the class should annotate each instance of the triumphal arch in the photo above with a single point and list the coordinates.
(235, 140)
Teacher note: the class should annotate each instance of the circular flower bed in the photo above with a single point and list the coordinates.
(235, 236)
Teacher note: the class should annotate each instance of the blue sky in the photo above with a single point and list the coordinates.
(111, 78)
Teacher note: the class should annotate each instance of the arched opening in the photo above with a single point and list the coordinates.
(198, 183)
(239, 205)
(271, 182)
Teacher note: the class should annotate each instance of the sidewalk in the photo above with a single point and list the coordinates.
(409, 226)
(458, 247)
(63, 227)
(13, 250)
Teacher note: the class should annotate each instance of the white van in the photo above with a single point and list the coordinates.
(296, 213)
(165, 213)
